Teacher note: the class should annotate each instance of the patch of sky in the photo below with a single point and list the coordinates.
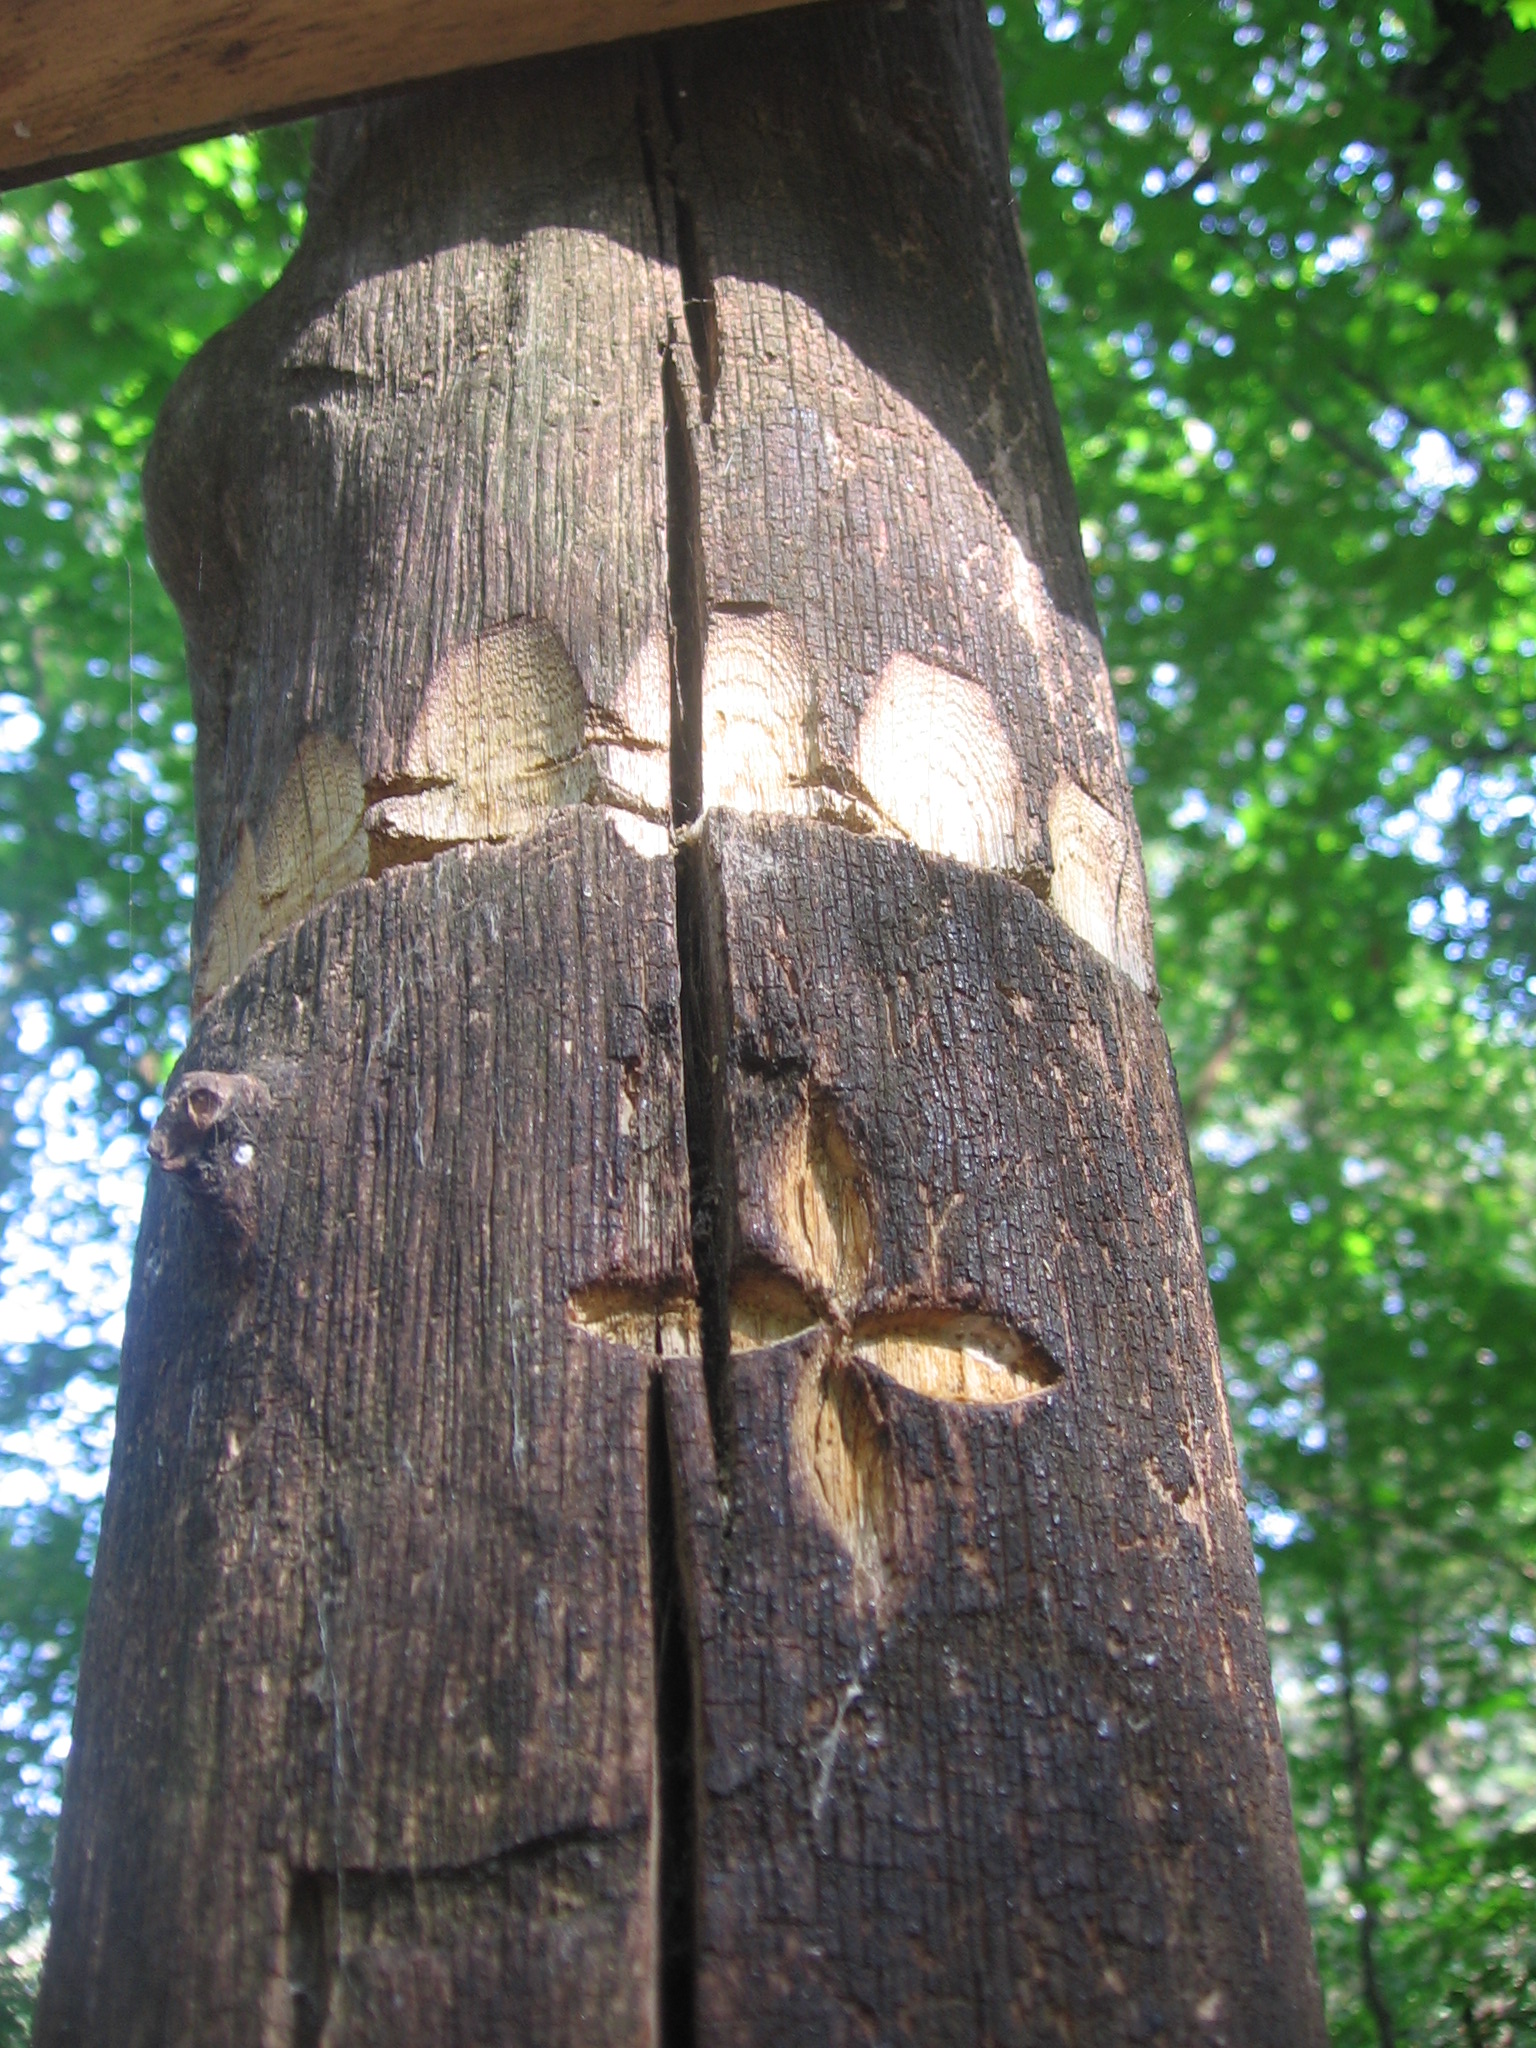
(1359, 1173)
(20, 731)
(65, 1448)
(1059, 23)
(1436, 466)
(1344, 252)
(1132, 118)
(1498, 801)
(1226, 1145)
(66, 1247)
(1274, 1526)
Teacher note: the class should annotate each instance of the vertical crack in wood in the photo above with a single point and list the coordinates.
(686, 616)
(711, 1173)
(711, 1164)
(700, 915)
(700, 313)
(649, 163)
(676, 1853)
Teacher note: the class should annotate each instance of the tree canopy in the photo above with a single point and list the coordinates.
(1282, 260)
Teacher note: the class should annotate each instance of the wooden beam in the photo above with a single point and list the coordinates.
(90, 81)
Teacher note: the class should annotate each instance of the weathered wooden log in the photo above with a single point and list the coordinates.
(673, 1481)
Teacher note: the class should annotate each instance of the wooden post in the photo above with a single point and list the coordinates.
(672, 1480)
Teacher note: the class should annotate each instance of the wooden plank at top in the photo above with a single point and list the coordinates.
(90, 81)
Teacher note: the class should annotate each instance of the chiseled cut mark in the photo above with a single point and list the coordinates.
(970, 1358)
(503, 737)
(1096, 885)
(759, 716)
(933, 755)
(840, 1443)
(812, 1202)
(499, 741)
(841, 1437)
(664, 1324)
(762, 726)
(310, 844)
(631, 744)
(768, 1307)
(644, 836)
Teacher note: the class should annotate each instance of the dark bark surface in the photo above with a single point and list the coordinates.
(987, 1730)
(672, 1478)
(366, 1708)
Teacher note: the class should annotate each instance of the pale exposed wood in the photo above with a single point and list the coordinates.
(85, 81)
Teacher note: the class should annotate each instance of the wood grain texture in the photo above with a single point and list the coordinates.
(450, 409)
(673, 1483)
(900, 629)
(989, 1749)
(366, 1708)
(85, 82)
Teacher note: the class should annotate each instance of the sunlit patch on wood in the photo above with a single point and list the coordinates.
(759, 716)
(1096, 884)
(310, 844)
(665, 1324)
(503, 737)
(644, 836)
(630, 743)
(971, 1358)
(933, 755)
(499, 741)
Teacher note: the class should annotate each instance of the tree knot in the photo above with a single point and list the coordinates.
(206, 1135)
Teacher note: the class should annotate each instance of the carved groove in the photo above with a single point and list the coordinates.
(665, 1324)
(346, 1936)
(973, 1359)
(845, 1443)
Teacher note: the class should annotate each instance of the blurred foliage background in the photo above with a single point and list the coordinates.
(1285, 331)
(1285, 259)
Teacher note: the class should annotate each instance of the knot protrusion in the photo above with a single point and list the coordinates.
(206, 1135)
(200, 1109)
